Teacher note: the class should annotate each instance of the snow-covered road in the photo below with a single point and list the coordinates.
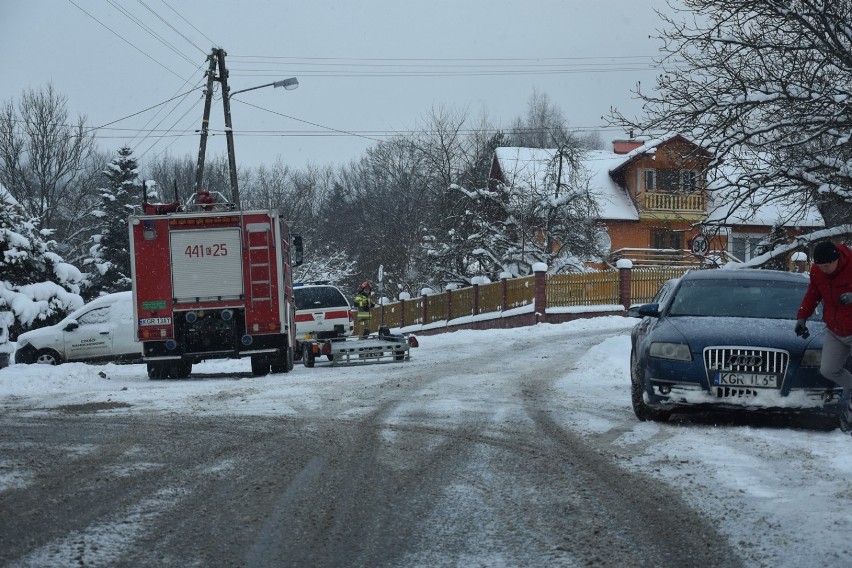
(781, 494)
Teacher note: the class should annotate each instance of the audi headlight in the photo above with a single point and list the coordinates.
(678, 351)
(812, 358)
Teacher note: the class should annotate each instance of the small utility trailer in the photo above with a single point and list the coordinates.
(381, 347)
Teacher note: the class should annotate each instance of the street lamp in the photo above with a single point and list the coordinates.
(288, 84)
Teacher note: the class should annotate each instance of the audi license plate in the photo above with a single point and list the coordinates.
(728, 379)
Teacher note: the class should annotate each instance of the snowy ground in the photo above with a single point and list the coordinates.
(783, 494)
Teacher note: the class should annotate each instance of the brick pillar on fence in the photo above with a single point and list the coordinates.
(401, 313)
(625, 277)
(476, 299)
(540, 307)
(425, 311)
(504, 293)
(449, 304)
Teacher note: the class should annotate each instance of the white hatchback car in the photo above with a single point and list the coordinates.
(322, 312)
(102, 330)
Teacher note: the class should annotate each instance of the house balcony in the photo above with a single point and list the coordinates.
(668, 204)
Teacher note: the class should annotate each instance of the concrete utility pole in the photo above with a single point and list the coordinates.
(217, 59)
(229, 132)
(205, 122)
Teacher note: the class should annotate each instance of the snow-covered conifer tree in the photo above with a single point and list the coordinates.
(36, 286)
(109, 264)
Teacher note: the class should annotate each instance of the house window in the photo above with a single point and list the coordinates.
(666, 239)
(669, 180)
(688, 181)
(650, 179)
(743, 246)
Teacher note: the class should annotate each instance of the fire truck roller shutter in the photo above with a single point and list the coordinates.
(207, 264)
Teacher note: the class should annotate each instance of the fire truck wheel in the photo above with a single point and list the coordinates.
(283, 363)
(259, 366)
(184, 369)
(157, 371)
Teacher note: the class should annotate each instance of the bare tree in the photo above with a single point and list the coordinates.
(544, 126)
(544, 212)
(50, 165)
(174, 175)
(767, 85)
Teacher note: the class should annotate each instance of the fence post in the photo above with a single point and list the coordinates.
(449, 304)
(403, 296)
(476, 299)
(504, 290)
(625, 277)
(540, 270)
(424, 312)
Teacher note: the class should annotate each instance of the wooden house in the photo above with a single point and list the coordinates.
(653, 199)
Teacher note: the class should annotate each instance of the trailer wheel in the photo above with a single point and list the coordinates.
(259, 366)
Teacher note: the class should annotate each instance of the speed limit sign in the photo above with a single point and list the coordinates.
(699, 245)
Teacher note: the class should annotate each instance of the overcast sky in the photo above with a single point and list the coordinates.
(367, 69)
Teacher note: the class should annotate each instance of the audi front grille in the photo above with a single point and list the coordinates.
(745, 360)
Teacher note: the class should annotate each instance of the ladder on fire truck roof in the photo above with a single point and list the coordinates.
(259, 240)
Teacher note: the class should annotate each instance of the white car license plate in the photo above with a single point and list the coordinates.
(729, 379)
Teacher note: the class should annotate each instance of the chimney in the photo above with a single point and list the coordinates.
(625, 146)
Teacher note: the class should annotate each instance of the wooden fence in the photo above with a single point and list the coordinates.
(514, 302)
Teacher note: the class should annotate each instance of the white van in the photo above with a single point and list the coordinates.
(102, 330)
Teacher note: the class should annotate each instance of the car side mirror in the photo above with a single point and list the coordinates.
(649, 310)
(71, 326)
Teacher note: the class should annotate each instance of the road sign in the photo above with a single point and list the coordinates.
(700, 245)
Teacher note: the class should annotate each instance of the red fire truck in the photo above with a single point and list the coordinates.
(212, 282)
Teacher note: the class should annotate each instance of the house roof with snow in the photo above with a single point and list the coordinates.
(726, 207)
(632, 150)
(530, 167)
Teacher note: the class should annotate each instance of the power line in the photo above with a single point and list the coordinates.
(163, 118)
(138, 112)
(174, 29)
(158, 140)
(147, 29)
(189, 23)
(119, 36)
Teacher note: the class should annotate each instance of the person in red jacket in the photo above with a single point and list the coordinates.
(831, 284)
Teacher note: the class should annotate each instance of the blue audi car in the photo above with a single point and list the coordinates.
(724, 339)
